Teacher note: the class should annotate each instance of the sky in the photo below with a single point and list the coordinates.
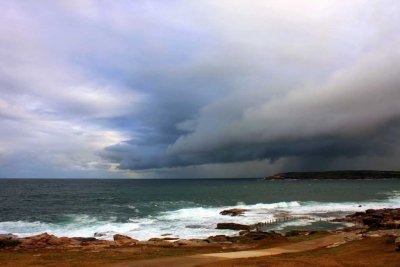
(190, 89)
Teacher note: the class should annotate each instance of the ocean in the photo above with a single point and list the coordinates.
(184, 208)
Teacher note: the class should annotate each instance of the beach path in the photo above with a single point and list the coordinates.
(196, 260)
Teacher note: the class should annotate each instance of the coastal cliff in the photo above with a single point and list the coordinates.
(359, 174)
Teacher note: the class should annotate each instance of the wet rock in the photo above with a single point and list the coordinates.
(233, 212)
(99, 234)
(380, 218)
(103, 234)
(233, 226)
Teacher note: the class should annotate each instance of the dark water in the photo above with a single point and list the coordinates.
(55, 205)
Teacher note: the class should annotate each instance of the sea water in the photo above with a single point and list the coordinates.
(184, 208)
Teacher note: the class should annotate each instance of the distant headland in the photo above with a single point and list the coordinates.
(349, 174)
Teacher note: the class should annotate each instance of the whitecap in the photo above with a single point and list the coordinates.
(197, 222)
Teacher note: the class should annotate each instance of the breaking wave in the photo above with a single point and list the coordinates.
(196, 222)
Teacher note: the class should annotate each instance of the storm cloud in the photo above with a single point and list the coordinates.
(197, 89)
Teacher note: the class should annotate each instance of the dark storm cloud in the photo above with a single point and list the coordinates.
(355, 112)
(222, 88)
(324, 149)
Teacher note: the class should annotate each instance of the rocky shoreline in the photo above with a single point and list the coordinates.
(48, 241)
(375, 218)
(371, 223)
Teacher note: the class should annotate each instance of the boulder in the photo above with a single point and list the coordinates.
(233, 212)
(397, 243)
(376, 218)
(40, 241)
(233, 226)
(119, 237)
(47, 241)
(41, 237)
(125, 240)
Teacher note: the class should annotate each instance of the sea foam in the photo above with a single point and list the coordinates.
(196, 222)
